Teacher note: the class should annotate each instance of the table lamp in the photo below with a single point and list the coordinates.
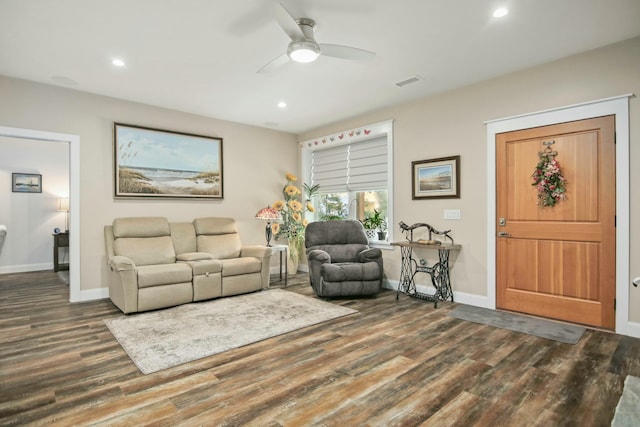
(63, 206)
(268, 214)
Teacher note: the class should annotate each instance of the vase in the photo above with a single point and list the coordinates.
(294, 257)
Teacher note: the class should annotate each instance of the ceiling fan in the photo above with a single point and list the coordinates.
(303, 46)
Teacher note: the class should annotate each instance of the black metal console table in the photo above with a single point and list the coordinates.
(439, 271)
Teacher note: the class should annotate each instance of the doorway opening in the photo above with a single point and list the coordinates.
(74, 195)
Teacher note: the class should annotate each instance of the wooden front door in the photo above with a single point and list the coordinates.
(558, 262)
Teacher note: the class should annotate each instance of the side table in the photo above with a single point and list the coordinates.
(60, 240)
(283, 249)
(439, 272)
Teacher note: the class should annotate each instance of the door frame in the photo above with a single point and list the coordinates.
(74, 195)
(618, 106)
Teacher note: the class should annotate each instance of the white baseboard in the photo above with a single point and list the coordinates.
(94, 294)
(472, 299)
(25, 268)
(633, 329)
(461, 297)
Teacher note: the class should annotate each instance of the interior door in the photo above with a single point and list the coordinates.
(558, 261)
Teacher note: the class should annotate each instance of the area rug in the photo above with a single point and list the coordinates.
(628, 410)
(166, 338)
(569, 334)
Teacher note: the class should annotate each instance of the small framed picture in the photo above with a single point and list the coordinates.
(26, 183)
(436, 178)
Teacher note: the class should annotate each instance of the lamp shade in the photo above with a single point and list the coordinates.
(268, 214)
(63, 204)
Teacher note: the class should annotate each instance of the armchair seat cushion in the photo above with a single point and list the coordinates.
(163, 274)
(348, 272)
(237, 266)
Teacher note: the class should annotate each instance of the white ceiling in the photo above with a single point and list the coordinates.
(201, 56)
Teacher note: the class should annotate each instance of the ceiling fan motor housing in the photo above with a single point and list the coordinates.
(306, 49)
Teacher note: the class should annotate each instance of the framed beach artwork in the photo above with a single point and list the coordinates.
(165, 164)
(436, 178)
(26, 183)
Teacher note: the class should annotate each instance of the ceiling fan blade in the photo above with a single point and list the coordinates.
(274, 64)
(288, 22)
(345, 52)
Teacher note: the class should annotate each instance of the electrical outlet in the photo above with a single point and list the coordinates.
(452, 214)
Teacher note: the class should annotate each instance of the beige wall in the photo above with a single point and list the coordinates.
(255, 161)
(453, 123)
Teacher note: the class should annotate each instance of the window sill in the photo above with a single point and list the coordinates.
(380, 244)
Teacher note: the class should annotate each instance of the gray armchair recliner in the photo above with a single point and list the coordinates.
(341, 263)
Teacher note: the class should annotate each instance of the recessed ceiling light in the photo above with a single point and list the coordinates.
(282, 104)
(500, 12)
(118, 62)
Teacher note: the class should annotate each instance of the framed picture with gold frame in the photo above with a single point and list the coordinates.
(155, 163)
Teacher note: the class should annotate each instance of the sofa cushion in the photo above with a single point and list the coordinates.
(218, 236)
(141, 227)
(146, 250)
(215, 225)
(184, 237)
(237, 266)
(343, 272)
(223, 246)
(156, 275)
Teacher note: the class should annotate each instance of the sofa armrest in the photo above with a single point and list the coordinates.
(368, 255)
(255, 251)
(121, 263)
(194, 256)
(316, 258)
(123, 283)
(263, 253)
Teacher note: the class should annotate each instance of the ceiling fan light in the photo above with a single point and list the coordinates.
(303, 51)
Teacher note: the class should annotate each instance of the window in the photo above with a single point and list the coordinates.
(354, 170)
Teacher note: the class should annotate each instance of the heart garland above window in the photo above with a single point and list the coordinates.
(548, 179)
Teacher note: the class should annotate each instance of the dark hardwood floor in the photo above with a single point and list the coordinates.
(393, 363)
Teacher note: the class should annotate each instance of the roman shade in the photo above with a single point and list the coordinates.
(351, 167)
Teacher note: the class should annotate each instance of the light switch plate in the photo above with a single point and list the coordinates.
(452, 214)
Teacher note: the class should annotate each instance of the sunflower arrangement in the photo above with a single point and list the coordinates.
(292, 210)
(549, 181)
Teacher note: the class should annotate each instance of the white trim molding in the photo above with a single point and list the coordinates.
(618, 106)
(364, 133)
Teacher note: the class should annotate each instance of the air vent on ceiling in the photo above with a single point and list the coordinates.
(409, 81)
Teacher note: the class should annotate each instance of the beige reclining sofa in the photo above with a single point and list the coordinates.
(155, 264)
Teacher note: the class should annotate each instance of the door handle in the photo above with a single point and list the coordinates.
(503, 234)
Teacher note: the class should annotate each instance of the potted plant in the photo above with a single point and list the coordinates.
(369, 229)
(375, 222)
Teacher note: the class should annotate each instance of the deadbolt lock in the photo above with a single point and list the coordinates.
(502, 221)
